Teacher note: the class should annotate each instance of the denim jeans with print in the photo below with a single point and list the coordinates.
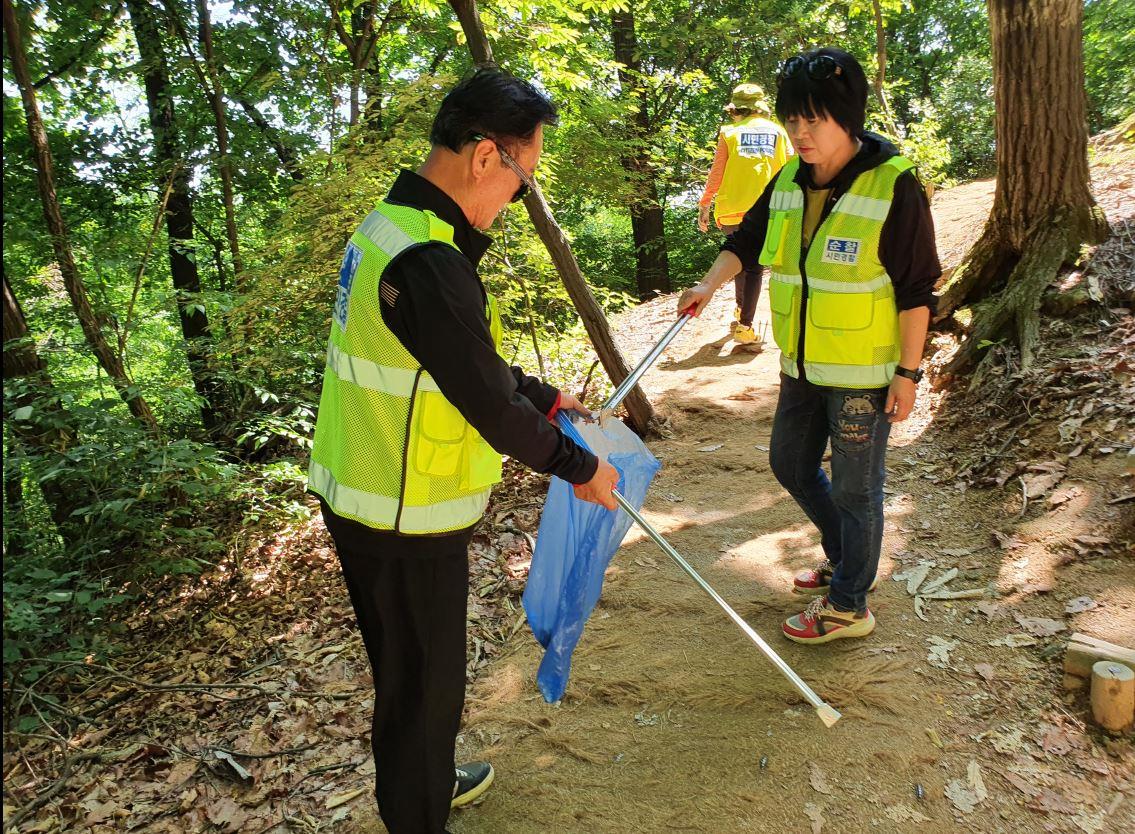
(848, 508)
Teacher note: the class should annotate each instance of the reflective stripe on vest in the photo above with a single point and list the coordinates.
(851, 335)
(390, 451)
(366, 374)
(354, 503)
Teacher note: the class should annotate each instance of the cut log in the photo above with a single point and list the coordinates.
(1084, 652)
(1113, 695)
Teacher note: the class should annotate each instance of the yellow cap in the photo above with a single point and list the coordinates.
(748, 97)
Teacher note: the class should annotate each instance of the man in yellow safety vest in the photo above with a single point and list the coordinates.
(417, 408)
(750, 150)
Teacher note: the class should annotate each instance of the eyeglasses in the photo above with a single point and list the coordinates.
(819, 68)
(526, 182)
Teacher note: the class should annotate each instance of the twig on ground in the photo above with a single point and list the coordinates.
(288, 752)
(45, 796)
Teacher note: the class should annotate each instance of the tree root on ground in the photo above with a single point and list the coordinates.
(1015, 309)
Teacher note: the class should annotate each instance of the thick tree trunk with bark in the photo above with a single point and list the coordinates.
(22, 361)
(637, 405)
(652, 265)
(110, 361)
(1043, 209)
(179, 208)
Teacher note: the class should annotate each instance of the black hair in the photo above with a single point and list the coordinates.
(491, 103)
(843, 96)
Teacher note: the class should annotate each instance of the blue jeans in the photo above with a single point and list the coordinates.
(848, 509)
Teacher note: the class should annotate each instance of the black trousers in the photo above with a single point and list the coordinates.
(746, 287)
(409, 594)
(746, 291)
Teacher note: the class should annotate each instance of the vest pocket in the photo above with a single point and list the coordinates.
(841, 311)
(440, 436)
(783, 303)
(773, 249)
(483, 463)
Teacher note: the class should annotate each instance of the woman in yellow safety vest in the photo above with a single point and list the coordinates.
(846, 231)
(750, 150)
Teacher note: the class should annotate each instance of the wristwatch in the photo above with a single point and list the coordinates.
(915, 375)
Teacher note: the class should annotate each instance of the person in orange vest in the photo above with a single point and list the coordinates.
(750, 152)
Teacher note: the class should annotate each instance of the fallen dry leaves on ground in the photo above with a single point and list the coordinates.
(240, 700)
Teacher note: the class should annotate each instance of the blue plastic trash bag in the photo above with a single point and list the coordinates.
(575, 544)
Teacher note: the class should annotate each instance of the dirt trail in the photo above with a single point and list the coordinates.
(674, 722)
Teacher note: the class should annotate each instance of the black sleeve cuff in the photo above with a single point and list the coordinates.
(913, 302)
(580, 468)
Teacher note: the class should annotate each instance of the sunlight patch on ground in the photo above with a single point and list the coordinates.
(679, 520)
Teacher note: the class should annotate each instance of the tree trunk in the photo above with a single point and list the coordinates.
(1043, 209)
(22, 361)
(637, 405)
(881, 69)
(110, 361)
(372, 112)
(224, 164)
(652, 266)
(50, 431)
(179, 208)
(359, 42)
(475, 38)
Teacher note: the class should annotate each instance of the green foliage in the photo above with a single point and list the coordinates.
(52, 611)
(1109, 61)
(965, 114)
(603, 245)
(925, 147)
(691, 252)
(152, 507)
(166, 506)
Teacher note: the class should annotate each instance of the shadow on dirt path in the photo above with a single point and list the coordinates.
(953, 717)
(674, 722)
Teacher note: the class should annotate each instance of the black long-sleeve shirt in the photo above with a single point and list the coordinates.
(432, 299)
(906, 246)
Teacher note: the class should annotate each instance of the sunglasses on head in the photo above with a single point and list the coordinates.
(525, 181)
(819, 68)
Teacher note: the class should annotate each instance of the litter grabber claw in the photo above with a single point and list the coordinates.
(825, 711)
(631, 381)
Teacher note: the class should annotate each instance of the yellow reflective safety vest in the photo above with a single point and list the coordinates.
(851, 332)
(758, 148)
(390, 450)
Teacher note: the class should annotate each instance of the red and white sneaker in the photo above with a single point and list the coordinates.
(822, 622)
(819, 579)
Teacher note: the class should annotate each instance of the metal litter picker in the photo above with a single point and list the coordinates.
(827, 713)
(632, 379)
